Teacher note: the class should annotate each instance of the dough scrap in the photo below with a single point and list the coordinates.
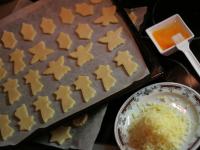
(3, 71)
(17, 58)
(6, 130)
(108, 16)
(83, 83)
(40, 52)
(113, 39)
(47, 25)
(96, 1)
(133, 17)
(61, 134)
(64, 41)
(63, 94)
(84, 9)
(124, 58)
(80, 120)
(11, 88)
(57, 68)
(82, 54)
(8, 39)
(28, 32)
(33, 78)
(84, 31)
(104, 73)
(42, 104)
(66, 15)
(26, 121)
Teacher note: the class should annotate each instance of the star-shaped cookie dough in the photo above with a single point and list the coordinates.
(104, 73)
(57, 68)
(113, 39)
(61, 134)
(84, 9)
(84, 31)
(3, 71)
(40, 52)
(47, 25)
(108, 16)
(8, 39)
(64, 41)
(82, 54)
(28, 32)
(66, 15)
(124, 58)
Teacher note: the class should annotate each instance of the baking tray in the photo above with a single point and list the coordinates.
(33, 14)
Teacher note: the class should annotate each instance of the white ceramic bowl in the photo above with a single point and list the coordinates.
(178, 96)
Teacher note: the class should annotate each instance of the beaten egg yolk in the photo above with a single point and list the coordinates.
(164, 35)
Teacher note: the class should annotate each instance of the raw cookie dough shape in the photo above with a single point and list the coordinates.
(80, 120)
(64, 41)
(84, 9)
(113, 39)
(3, 71)
(11, 88)
(124, 58)
(63, 94)
(6, 130)
(28, 32)
(61, 134)
(42, 104)
(66, 15)
(96, 1)
(40, 52)
(8, 39)
(84, 31)
(47, 25)
(33, 78)
(83, 83)
(108, 16)
(17, 58)
(82, 54)
(104, 73)
(57, 68)
(26, 121)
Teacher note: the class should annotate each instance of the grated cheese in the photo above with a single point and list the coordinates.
(158, 127)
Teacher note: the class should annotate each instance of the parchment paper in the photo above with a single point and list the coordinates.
(82, 137)
(51, 8)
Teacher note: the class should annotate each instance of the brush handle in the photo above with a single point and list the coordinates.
(185, 48)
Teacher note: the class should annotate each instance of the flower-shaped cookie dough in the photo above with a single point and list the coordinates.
(84, 9)
(66, 15)
(84, 31)
(47, 25)
(8, 40)
(64, 41)
(28, 32)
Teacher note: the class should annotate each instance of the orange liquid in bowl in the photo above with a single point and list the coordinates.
(164, 35)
